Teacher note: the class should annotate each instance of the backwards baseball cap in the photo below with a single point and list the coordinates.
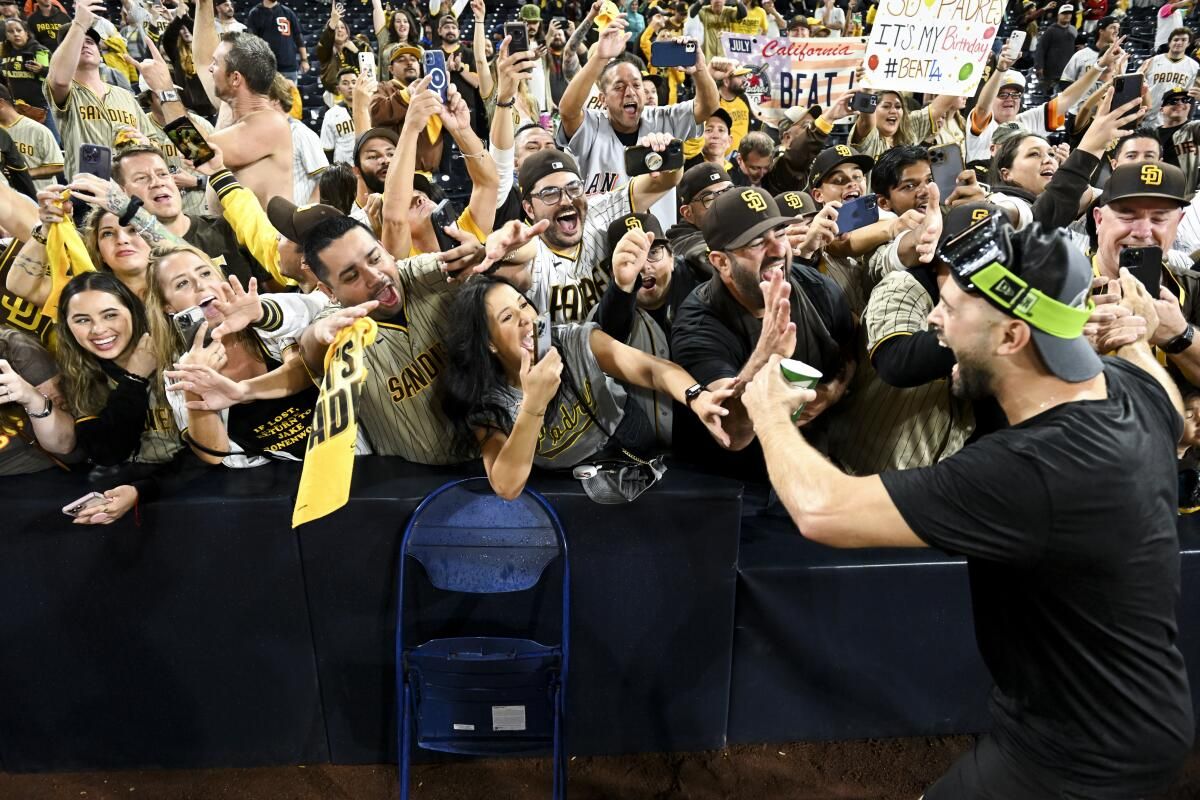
(1148, 179)
(698, 178)
(530, 13)
(1035, 275)
(295, 222)
(739, 217)
(541, 164)
(92, 34)
(447, 17)
(375, 133)
(799, 203)
(832, 157)
(627, 222)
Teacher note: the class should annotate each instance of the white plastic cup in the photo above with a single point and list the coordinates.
(801, 375)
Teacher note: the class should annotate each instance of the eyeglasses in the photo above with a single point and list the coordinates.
(709, 198)
(553, 195)
(657, 253)
(1009, 95)
(1178, 101)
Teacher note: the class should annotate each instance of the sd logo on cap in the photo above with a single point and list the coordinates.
(1155, 180)
(754, 201)
(1151, 175)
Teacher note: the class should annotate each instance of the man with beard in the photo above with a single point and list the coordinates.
(552, 62)
(256, 140)
(389, 103)
(372, 157)
(1066, 519)
(758, 304)
(736, 104)
(566, 277)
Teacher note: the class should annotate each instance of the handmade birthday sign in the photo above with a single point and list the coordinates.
(935, 46)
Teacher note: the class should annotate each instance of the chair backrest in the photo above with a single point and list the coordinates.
(474, 564)
(470, 540)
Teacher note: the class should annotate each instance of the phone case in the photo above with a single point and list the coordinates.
(858, 213)
(435, 68)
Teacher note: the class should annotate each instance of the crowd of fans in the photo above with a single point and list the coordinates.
(165, 316)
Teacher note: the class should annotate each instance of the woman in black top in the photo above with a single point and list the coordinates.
(111, 381)
(23, 63)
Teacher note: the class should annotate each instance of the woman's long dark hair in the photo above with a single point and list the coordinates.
(84, 383)
(474, 373)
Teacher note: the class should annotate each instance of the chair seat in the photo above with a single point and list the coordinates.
(484, 695)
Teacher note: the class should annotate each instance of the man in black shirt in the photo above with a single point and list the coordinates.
(758, 304)
(279, 27)
(45, 21)
(699, 189)
(1067, 520)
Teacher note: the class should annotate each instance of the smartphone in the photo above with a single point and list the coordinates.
(1016, 40)
(640, 160)
(858, 213)
(190, 142)
(1145, 264)
(518, 35)
(561, 22)
(1125, 88)
(864, 102)
(366, 66)
(187, 322)
(96, 159)
(541, 336)
(673, 54)
(946, 163)
(89, 500)
(435, 68)
(444, 215)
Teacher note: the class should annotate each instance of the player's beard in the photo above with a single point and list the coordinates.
(971, 381)
(373, 182)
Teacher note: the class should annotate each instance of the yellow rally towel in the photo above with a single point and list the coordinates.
(67, 257)
(329, 458)
(116, 55)
(433, 128)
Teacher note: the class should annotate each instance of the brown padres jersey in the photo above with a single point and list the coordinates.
(400, 407)
(881, 427)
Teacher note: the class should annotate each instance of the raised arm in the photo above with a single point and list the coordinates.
(479, 48)
(571, 65)
(1070, 95)
(456, 118)
(982, 112)
(705, 77)
(65, 58)
(570, 106)
(204, 44)
(646, 190)
(398, 185)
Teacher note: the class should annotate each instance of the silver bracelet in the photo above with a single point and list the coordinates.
(45, 413)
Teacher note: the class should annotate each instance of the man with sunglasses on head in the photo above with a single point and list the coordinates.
(567, 277)
(699, 188)
(1066, 519)
(1179, 137)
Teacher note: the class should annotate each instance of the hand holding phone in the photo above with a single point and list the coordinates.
(518, 36)
(642, 160)
(541, 337)
(864, 102)
(858, 213)
(1145, 264)
(435, 68)
(366, 66)
(89, 501)
(96, 159)
(190, 142)
(946, 164)
(1125, 88)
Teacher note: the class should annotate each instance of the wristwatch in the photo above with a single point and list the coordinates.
(691, 393)
(1181, 342)
(45, 413)
(169, 96)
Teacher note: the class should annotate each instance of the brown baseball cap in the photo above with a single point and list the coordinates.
(740, 216)
(1151, 179)
(295, 222)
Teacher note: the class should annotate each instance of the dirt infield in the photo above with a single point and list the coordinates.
(864, 770)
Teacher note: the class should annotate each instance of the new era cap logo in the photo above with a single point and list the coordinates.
(979, 214)
(754, 200)
(842, 150)
(1151, 175)
(1006, 289)
(556, 164)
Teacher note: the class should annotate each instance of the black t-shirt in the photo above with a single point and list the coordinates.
(713, 335)
(1067, 521)
(45, 26)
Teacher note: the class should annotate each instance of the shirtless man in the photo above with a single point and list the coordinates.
(255, 139)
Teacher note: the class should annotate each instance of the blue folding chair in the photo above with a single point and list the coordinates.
(473, 565)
